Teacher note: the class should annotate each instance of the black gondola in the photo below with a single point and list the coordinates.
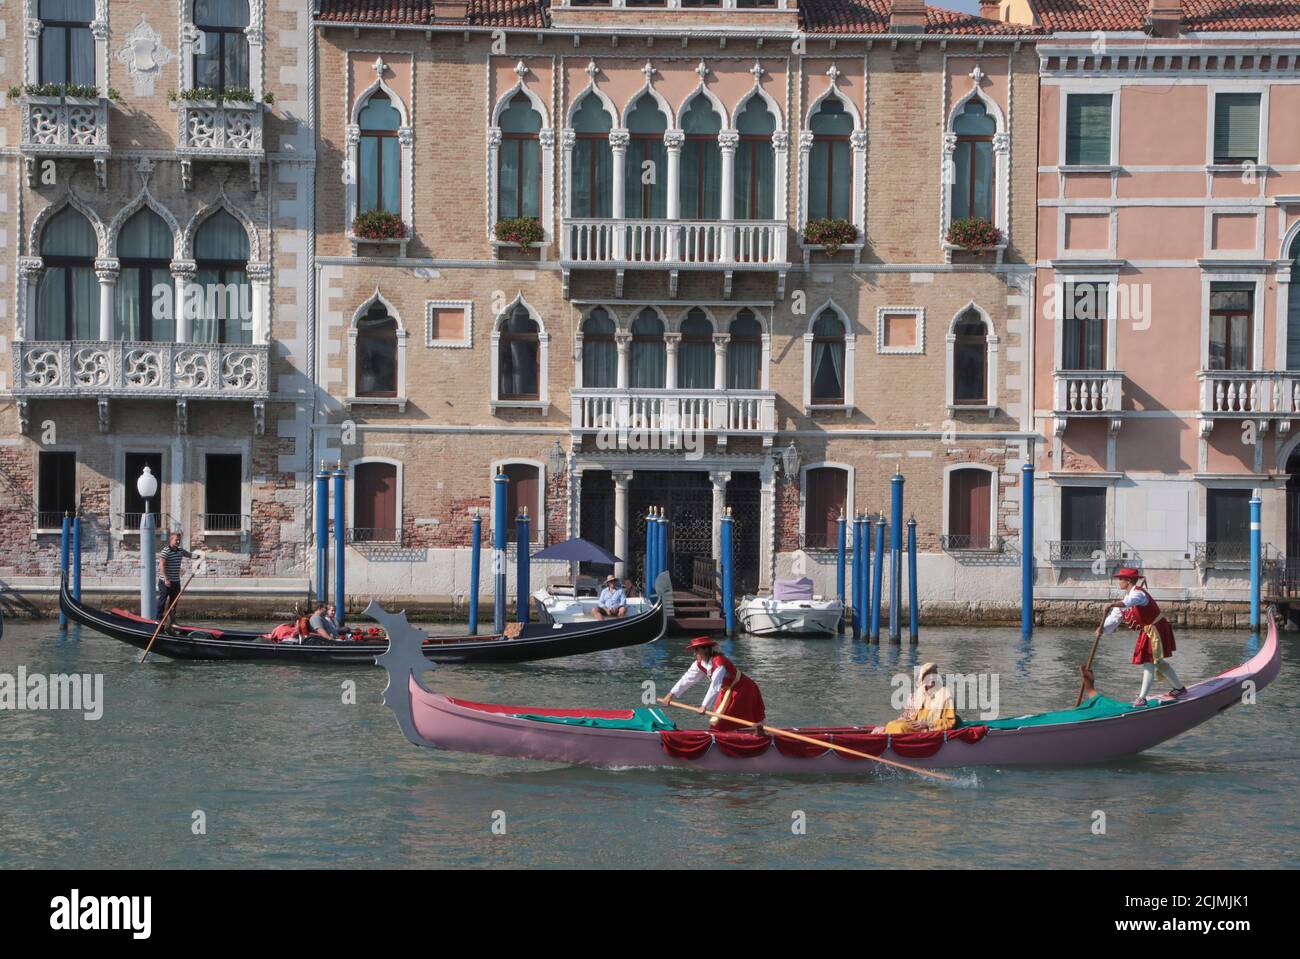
(534, 640)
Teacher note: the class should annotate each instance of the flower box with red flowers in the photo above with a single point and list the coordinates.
(973, 234)
(378, 226)
(830, 234)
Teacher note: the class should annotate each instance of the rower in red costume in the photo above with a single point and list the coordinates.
(1139, 611)
(730, 691)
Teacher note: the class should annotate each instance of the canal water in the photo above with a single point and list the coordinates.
(281, 772)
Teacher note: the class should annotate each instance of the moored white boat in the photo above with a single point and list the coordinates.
(792, 610)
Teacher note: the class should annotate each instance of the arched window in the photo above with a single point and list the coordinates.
(220, 303)
(830, 172)
(700, 192)
(970, 359)
(826, 490)
(745, 353)
(695, 357)
(522, 493)
(519, 164)
(592, 185)
(223, 64)
(646, 126)
(67, 45)
(519, 357)
(649, 355)
(599, 354)
(67, 300)
(828, 359)
(1293, 310)
(972, 186)
(379, 180)
(969, 509)
(755, 175)
(145, 249)
(376, 353)
(375, 503)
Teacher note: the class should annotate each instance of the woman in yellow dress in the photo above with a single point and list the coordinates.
(929, 709)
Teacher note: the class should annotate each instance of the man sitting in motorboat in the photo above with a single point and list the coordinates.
(730, 691)
(929, 708)
(612, 603)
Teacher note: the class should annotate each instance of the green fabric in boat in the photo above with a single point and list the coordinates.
(648, 720)
(1098, 707)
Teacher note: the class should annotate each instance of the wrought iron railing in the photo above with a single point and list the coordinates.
(1085, 551)
(1222, 553)
(130, 522)
(704, 576)
(971, 543)
(222, 522)
(51, 519)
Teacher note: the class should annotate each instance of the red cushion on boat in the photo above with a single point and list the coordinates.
(534, 711)
(742, 745)
(139, 619)
(686, 743)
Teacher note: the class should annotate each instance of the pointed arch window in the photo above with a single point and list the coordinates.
(973, 162)
(223, 64)
(830, 172)
(379, 183)
(745, 352)
(145, 247)
(696, 360)
(970, 360)
(592, 183)
(599, 352)
(649, 352)
(67, 51)
(220, 302)
(1293, 310)
(755, 174)
(646, 127)
(67, 300)
(519, 356)
(519, 166)
(700, 192)
(377, 353)
(828, 353)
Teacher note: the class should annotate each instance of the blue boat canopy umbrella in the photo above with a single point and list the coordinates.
(578, 550)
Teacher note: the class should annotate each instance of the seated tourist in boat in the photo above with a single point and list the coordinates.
(629, 589)
(293, 632)
(1155, 642)
(731, 692)
(322, 622)
(612, 603)
(929, 708)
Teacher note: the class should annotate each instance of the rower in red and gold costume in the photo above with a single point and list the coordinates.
(730, 691)
(1139, 611)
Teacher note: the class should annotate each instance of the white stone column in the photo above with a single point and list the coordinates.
(673, 140)
(621, 520)
(858, 141)
(728, 140)
(106, 271)
(30, 269)
(671, 342)
(259, 277)
(618, 141)
(183, 273)
(719, 479)
(720, 341)
(623, 344)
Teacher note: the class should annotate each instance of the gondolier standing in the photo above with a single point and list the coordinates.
(1139, 611)
(169, 571)
(730, 691)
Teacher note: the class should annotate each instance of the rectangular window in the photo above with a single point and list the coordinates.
(1083, 515)
(67, 45)
(1227, 524)
(223, 493)
(1232, 322)
(969, 492)
(520, 493)
(1085, 310)
(447, 323)
(1236, 128)
(825, 501)
(374, 504)
(1087, 129)
(132, 502)
(899, 331)
(56, 488)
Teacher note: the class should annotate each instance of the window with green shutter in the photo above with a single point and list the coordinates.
(1236, 128)
(1087, 129)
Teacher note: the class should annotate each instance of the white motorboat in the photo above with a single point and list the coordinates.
(791, 610)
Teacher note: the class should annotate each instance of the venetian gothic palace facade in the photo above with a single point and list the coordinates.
(757, 255)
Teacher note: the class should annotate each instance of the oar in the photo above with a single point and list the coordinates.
(787, 734)
(166, 613)
(1083, 683)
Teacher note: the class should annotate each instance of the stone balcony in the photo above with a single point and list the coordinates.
(1087, 394)
(222, 131)
(725, 245)
(63, 126)
(662, 417)
(1265, 395)
(104, 371)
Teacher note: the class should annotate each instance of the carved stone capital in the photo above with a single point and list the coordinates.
(674, 139)
(494, 137)
(184, 269)
(31, 267)
(405, 136)
(568, 138)
(107, 270)
(353, 134)
(858, 139)
(619, 138)
(728, 140)
(781, 141)
(547, 138)
(805, 141)
(259, 272)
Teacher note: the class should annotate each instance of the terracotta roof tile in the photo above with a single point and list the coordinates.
(496, 13)
(1068, 16)
(872, 16)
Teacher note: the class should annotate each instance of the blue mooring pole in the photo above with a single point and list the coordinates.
(322, 533)
(1255, 532)
(76, 556)
(865, 623)
(859, 597)
(839, 566)
(650, 555)
(1027, 551)
(500, 524)
(340, 541)
(475, 544)
(664, 552)
(879, 583)
(728, 575)
(896, 559)
(64, 540)
(522, 559)
(913, 631)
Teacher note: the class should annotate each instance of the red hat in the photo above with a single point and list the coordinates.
(1128, 572)
(699, 642)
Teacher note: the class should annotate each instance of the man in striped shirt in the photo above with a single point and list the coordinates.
(169, 570)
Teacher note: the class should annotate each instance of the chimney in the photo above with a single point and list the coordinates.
(1164, 18)
(991, 9)
(907, 16)
(450, 9)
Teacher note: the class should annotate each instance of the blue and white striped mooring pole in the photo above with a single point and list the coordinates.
(340, 541)
(913, 611)
(840, 544)
(522, 589)
(475, 545)
(64, 542)
(500, 526)
(728, 575)
(896, 558)
(1027, 551)
(322, 533)
(1254, 562)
